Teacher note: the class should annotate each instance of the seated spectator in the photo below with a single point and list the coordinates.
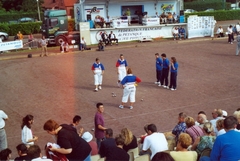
(76, 122)
(112, 37)
(163, 18)
(142, 137)
(22, 152)
(34, 153)
(175, 17)
(220, 32)
(237, 115)
(162, 156)
(117, 153)
(100, 46)
(156, 142)
(98, 22)
(64, 47)
(181, 153)
(5, 154)
(181, 126)
(193, 130)
(83, 45)
(107, 144)
(182, 31)
(130, 141)
(201, 119)
(105, 38)
(108, 22)
(53, 155)
(226, 147)
(205, 141)
(220, 127)
(170, 17)
(216, 114)
(175, 32)
(87, 136)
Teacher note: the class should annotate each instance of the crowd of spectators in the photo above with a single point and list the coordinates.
(219, 136)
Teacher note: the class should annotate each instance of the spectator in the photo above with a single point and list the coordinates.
(43, 44)
(3, 138)
(100, 46)
(220, 32)
(156, 142)
(181, 153)
(129, 88)
(98, 71)
(27, 135)
(238, 28)
(30, 40)
(226, 147)
(22, 152)
(64, 46)
(165, 71)
(205, 141)
(230, 34)
(193, 130)
(107, 144)
(220, 127)
(216, 114)
(34, 153)
(175, 17)
(162, 156)
(121, 66)
(112, 37)
(142, 137)
(163, 18)
(99, 124)
(238, 44)
(76, 122)
(128, 14)
(170, 17)
(201, 119)
(159, 64)
(237, 115)
(83, 44)
(224, 113)
(130, 141)
(73, 146)
(20, 35)
(173, 76)
(105, 38)
(5, 154)
(182, 31)
(175, 32)
(117, 153)
(181, 126)
(87, 136)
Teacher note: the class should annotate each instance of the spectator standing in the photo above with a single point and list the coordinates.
(43, 44)
(173, 76)
(230, 34)
(87, 136)
(27, 135)
(22, 152)
(73, 146)
(76, 122)
(165, 71)
(98, 71)
(99, 124)
(159, 64)
(107, 144)
(20, 35)
(129, 88)
(30, 40)
(238, 44)
(3, 136)
(128, 14)
(130, 141)
(181, 126)
(121, 66)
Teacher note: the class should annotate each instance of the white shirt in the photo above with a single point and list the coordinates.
(3, 116)
(229, 30)
(220, 30)
(175, 31)
(221, 132)
(27, 135)
(238, 28)
(40, 159)
(83, 41)
(214, 121)
(156, 142)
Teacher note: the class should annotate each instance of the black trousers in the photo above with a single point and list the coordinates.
(164, 80)
(159, 75)
(173, 80)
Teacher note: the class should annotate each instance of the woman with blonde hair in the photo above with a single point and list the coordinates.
(130, 141)
(205, 141)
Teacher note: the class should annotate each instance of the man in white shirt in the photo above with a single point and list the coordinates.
(3, 137)
(112, 37)
(155, 141)
(175, 33)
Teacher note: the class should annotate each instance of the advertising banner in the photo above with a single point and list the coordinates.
(10, 45)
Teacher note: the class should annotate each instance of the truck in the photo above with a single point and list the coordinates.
(55, 28)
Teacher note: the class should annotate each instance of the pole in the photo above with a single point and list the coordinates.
(39, 17)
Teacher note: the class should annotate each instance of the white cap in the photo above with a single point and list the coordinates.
(224, 113)
(87, 136)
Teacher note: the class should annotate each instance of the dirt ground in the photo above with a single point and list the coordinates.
(61, 86)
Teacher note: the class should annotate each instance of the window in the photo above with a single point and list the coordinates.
(53, 22)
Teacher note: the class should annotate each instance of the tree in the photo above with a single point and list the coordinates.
(18, 5)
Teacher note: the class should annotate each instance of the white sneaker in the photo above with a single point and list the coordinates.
(96, 90)
(167, 87)
(159, 85)
(157, 82)
(131, 107)
(121, 106)
(164, 86)
(99, 87)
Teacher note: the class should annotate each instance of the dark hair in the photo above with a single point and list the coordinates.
(25, 121)
(121, 55)
(129, 71)
(50, 125)
(4, 154)
(162, 156)
(238, 109)
(97, 59)
(182, 115)
(201, 112)
(157, 54)
(119, 139)
(163, 55)
(76, 118)
(99, 104)
(34, 151)
(22, 147)
(152, 128)
(230, 122)
(109, 132)
(174, 59)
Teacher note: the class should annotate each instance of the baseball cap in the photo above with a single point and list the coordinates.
(87, 136)
(224, 113)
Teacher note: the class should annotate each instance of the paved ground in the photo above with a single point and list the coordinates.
(61, 85)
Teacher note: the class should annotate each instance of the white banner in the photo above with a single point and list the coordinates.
(10, 45)
(151, 21)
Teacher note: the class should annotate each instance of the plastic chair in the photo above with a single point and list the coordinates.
(142, 158)
(95, 157)
(135, 152)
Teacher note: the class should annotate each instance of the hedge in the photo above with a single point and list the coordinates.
(203, 5)
(14, 16)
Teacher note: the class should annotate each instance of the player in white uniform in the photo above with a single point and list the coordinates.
(121, 68)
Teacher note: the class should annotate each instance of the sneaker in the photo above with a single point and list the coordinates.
(131, 107)
(172, 89)
(159, 85)
(231, 42)
(62, 51)
(157, 82)
(99, 87)
(121, 106)
(167, 87)
(96, 90)
(164, 86)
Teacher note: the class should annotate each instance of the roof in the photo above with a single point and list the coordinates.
(50, 4)
(70, 3)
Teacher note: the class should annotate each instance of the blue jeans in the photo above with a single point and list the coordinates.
(204, 158)
(3, 139)
(99, 142)
(82, 46)
(88, 158)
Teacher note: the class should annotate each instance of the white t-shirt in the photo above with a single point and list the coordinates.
(83, 41)
(156, 142)
(175, 31)
(27, 135)
(3, 116)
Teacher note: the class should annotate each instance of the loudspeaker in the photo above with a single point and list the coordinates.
(29, 56)
(89, 17)
(181, 12)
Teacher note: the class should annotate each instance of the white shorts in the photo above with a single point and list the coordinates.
(98, 77)
(121, 73)
(129, 90)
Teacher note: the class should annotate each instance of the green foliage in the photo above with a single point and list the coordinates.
(18, 5)
(15, 15)
(220, 15)
(25, 28)
(203, 5)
